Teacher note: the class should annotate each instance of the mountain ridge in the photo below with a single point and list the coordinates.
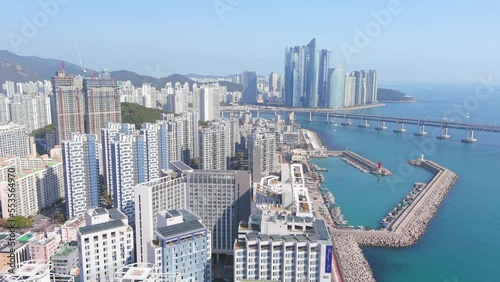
(32, 68)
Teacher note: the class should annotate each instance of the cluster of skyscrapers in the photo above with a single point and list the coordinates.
(175, 200)
(311, 83)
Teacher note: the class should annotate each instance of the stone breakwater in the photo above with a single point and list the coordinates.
(363, 164)
(405, 232)
(352, 262)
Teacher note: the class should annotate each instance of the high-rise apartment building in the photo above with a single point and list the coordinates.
(150, 198)
(4, 109)
(273, 82)
(106, 244)
(210, 102)
(39, 184)
(81, 174)
(302, 71)
(336, 87)
(350, 91)
(68, 105)
(324, 62)
(281, 247)
(261, 154)
(13, 140)
(185, 246)
(371, 87)
(31, 110)
(312, 75)
(294, 76)
(102, 104)
(249, 79)
(9, 88)
(183, 142)
(215, 146)
(221, 199)
(360, 90)
(108, 135)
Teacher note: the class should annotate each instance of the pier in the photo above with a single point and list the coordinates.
(364, 164)
(407, 228)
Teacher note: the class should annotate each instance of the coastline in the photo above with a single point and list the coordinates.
(298, 110)
(390, 101)
(351, 263)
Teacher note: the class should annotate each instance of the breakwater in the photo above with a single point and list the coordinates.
(363, 164)
(404, 231)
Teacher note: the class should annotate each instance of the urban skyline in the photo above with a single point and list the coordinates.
(340, 21)
(281, 160)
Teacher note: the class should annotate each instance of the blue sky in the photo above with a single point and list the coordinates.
(423, 40)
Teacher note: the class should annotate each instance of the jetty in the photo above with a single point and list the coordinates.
(363, 164)
(404, 231)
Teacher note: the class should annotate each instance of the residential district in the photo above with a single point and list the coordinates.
(192, 196)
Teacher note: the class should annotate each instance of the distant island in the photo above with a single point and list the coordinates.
(391, 95)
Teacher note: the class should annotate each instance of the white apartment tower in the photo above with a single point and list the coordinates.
(81, 174)
(221, 199)
(215, 146)
(31, 110)
(261, 154)
(209, 102)
(149, 199)
(13, 140)
(350, 91)
(106, 244)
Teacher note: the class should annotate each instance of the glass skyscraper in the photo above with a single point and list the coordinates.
(312, 72)
(249, 87)
(324, 61)
(336, 87)
(302, 71)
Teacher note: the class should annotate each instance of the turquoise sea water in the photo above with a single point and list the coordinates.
(463, 240)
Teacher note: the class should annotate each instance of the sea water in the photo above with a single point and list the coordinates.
(462, 242)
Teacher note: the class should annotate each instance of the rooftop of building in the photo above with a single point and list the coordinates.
(181, 228)
(101, 227)
(76, 222)
(5, 247)
(305, 237)
(180, 166)
(65, 250)
(116, 214)
(26, 237)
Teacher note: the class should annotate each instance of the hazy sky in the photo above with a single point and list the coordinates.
(420, 40)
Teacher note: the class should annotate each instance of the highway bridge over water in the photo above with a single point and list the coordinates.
(381, 121)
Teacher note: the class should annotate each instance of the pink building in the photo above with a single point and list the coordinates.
(70, 229)
(43, 247)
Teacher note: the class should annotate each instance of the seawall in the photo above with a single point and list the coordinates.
(406, 231)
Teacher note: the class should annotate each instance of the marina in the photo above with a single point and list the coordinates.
(407, 226)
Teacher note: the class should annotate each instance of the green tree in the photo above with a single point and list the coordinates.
(17, 221)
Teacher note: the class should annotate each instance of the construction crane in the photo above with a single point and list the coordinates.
(82, 65)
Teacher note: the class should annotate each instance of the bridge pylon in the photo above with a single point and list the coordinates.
(381, 126)
(444, 134)
(422, 131)
(469, 136)
(401, 129)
